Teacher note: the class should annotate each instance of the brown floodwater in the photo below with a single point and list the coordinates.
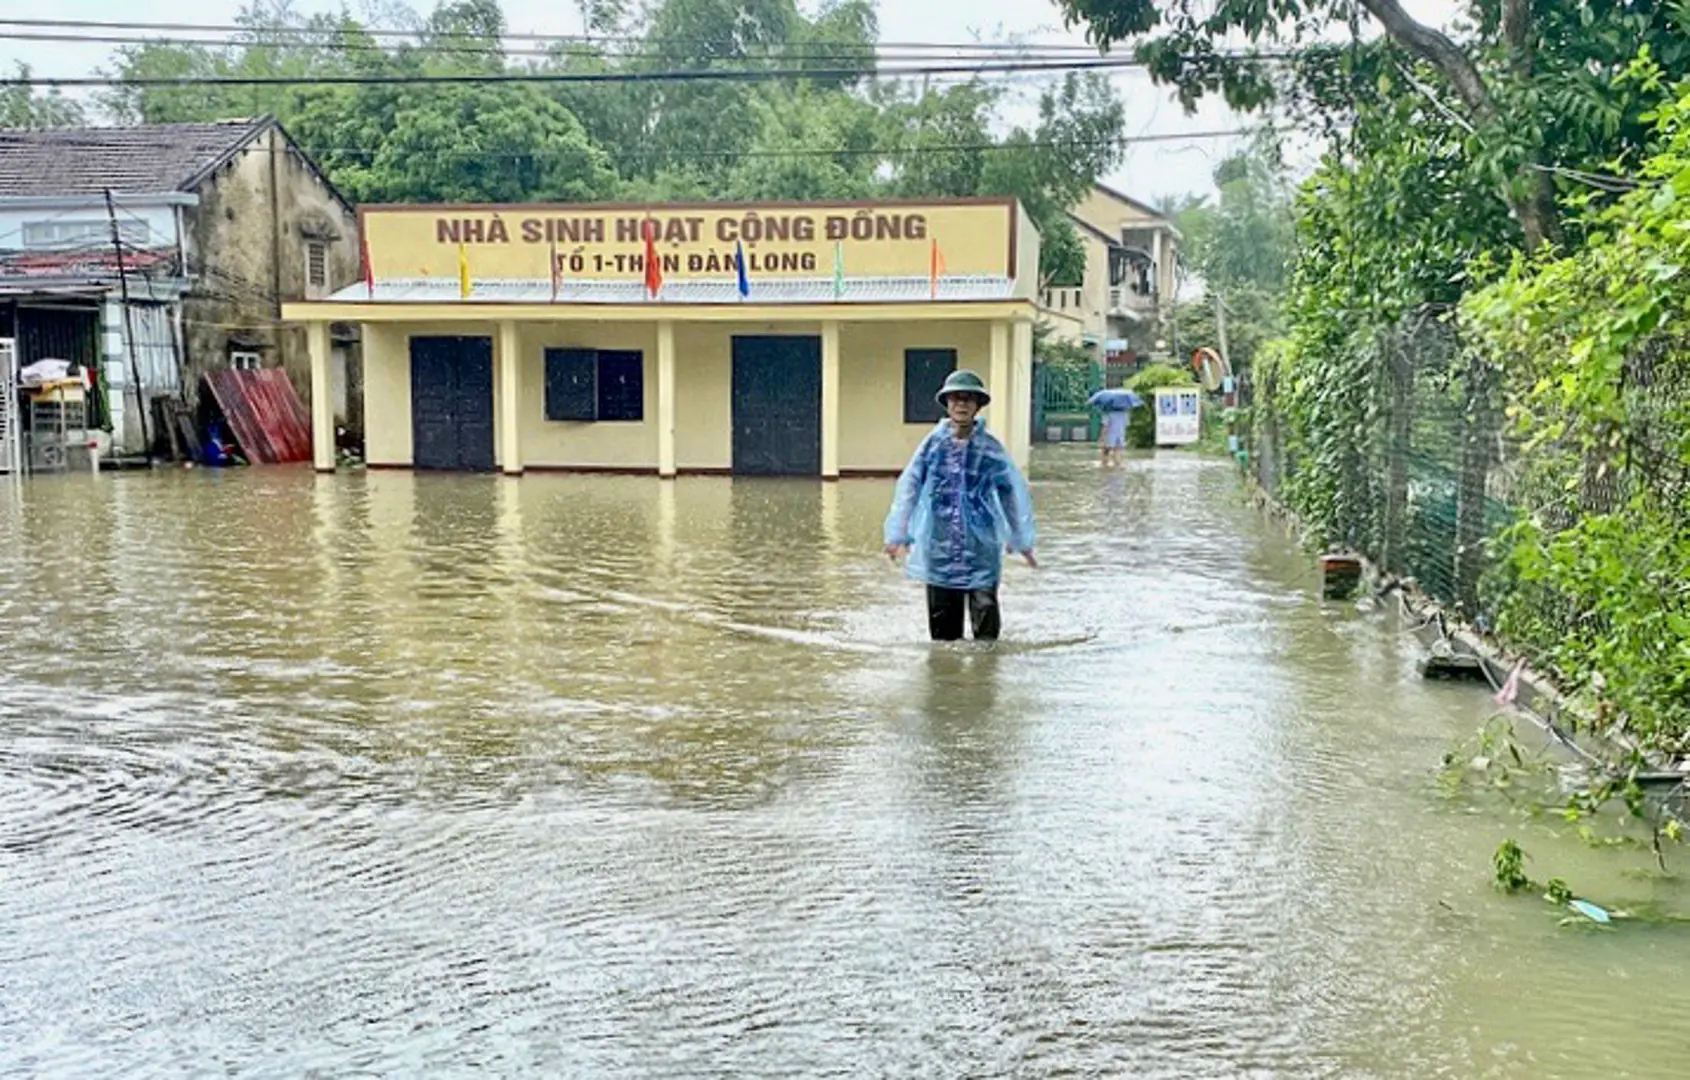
(409, 775)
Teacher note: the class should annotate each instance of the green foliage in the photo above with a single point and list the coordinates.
(1509, 863)
(1141, 425)
(22, 108)
(1520, 110)
(1244, 240)
(1595, 575)
(1254, 316)
(1060, 353)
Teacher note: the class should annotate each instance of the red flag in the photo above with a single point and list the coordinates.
(554, 271)
(369, 270)
(936, 268)
(653, 264)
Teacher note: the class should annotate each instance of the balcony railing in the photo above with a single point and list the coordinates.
(1065, 299)
(1126, 301)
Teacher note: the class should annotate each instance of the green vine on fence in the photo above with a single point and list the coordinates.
(1594, 576)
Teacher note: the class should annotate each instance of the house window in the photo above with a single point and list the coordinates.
(60, 234)
(595, 384)
(316, 268)
(245, 361)
(924, 373)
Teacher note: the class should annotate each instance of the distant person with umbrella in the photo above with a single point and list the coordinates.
(1116, 406)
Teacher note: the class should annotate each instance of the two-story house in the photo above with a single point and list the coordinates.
(203, 227)
(1128, 288)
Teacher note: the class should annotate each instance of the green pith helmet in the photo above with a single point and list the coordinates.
(963, 381)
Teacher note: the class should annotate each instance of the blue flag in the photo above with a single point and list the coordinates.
(739, 264)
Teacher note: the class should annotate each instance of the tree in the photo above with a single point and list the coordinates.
(1525, 81)
(21, 107)
(1243, 240)
(789, 160)
(485, 144)
(1052, 167)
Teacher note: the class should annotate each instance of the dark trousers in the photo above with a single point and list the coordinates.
(945, 608)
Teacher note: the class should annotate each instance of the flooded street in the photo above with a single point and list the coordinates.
(409, 775)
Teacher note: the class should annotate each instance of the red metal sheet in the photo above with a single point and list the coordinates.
(84, 262)
(266, 416)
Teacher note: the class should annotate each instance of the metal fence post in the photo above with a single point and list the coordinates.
(1400, 425)
(1477, 435)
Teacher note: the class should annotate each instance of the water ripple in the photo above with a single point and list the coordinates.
(401, 775)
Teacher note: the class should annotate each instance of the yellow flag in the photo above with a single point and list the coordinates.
(463, 271)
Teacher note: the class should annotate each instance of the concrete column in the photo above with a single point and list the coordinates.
(666, 398)
(1021, 392)
(322, 397)
(997, 383)
(510, 399)
(1156, 276)
(830, 400)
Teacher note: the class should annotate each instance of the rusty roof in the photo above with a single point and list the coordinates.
(147, 159)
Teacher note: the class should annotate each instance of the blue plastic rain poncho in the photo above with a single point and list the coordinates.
(958, 506)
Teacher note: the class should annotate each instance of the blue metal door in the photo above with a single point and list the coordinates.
(452, 403)
(777, 406)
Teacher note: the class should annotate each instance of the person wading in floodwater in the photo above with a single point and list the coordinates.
(960, 503)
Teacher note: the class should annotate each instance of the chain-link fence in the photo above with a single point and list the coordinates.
(1414, 464)
(1411, 464)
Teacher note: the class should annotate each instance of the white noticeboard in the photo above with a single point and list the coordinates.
(1178, 416)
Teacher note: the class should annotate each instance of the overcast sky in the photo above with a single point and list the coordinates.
(1149, 170)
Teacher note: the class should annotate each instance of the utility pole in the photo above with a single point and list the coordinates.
(1220, 330)
(129, 327)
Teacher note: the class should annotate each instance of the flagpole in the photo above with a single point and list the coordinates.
(369, 267)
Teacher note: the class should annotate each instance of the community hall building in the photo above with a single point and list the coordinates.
(774, 339)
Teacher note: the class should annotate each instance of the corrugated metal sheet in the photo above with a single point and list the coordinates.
(877, 290)
(267, 417)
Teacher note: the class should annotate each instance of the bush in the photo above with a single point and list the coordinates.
(1141, 427)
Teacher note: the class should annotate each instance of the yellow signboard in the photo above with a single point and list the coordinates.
(694, 242)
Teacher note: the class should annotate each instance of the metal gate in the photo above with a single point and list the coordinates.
(1060, 393)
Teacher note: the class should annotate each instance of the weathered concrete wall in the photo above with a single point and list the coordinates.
(247, 245)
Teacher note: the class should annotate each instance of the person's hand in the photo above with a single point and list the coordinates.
(1032, 560)
(896, 552)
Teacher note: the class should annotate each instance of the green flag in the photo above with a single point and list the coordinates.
(838, 270)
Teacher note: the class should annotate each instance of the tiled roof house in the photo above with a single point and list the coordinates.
(208, 226)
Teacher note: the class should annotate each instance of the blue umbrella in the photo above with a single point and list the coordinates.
(1115, 400)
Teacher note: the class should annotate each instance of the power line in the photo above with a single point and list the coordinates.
(842, 151)
(70, 141)
(538, 77)
(585, 39)
(305, 41)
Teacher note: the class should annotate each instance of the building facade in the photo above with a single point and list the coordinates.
(783, 339)
(205, 227)
(1130, 276)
